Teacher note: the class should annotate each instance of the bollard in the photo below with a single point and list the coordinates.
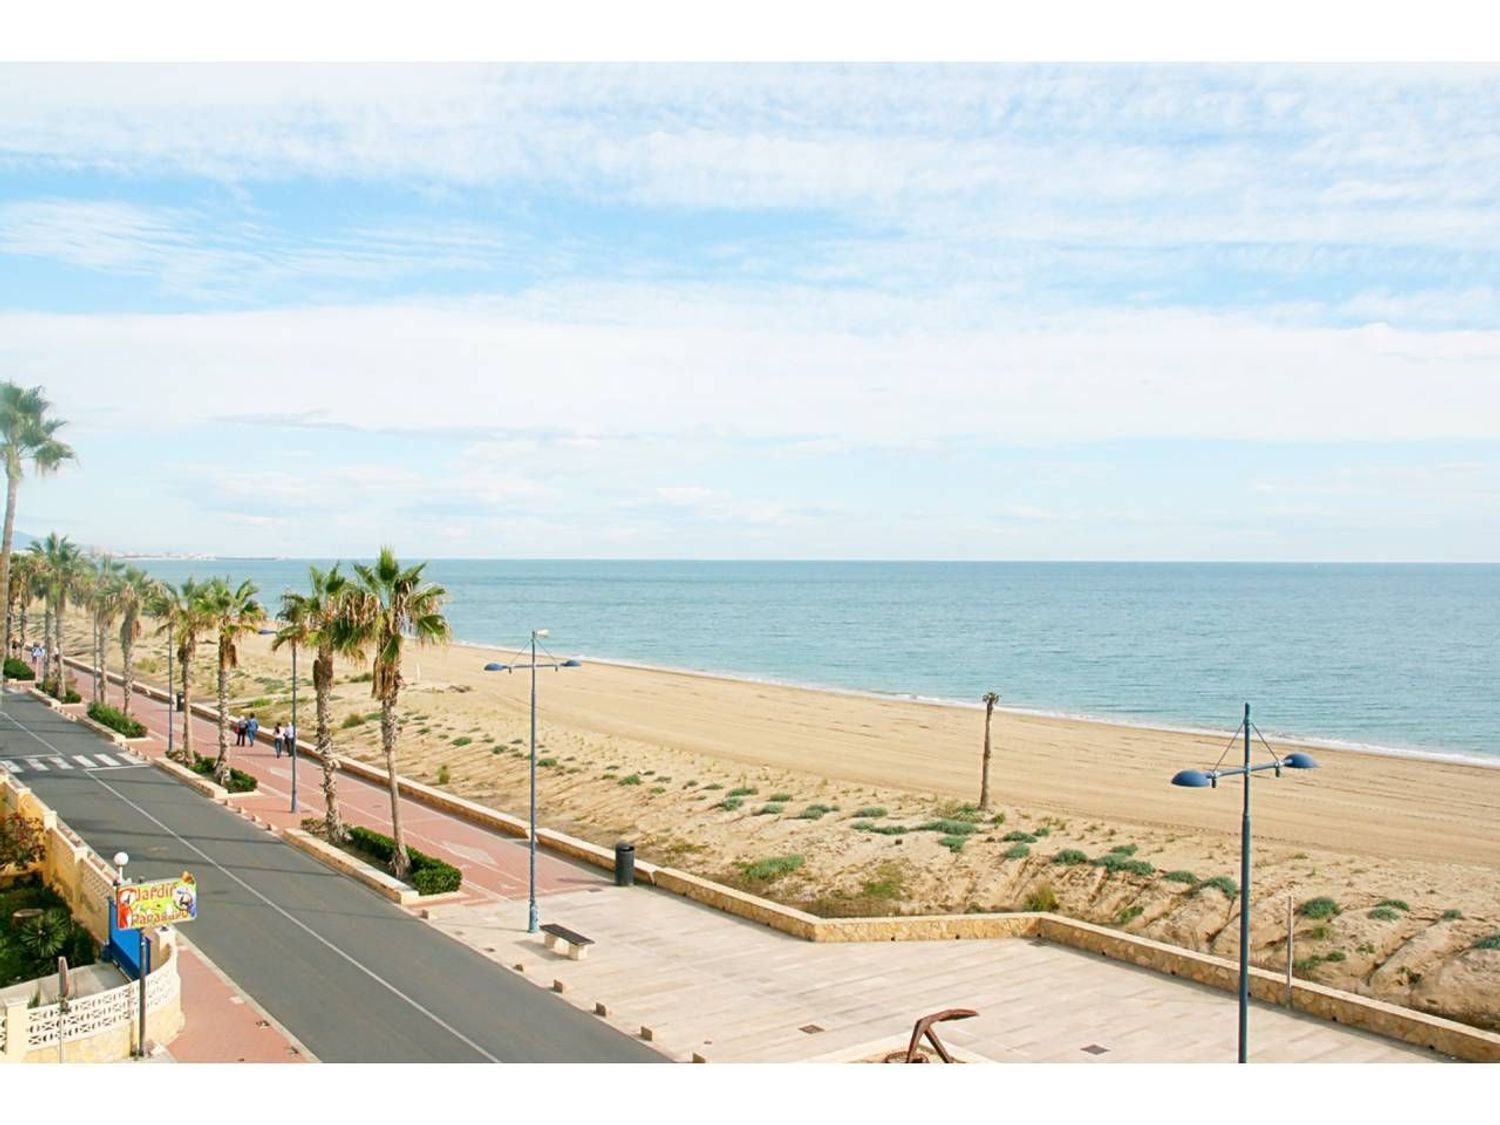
(624, 864)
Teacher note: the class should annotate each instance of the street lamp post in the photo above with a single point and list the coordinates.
(531, 916)
(171, 696)
(1201, 779)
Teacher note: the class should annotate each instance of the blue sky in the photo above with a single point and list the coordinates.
(778, 311)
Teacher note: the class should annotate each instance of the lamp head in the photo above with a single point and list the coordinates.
(1192, 779)
(266, 632)
(494, 667)
(572, 664)
(1299, 761)
(121, 859)
(539, 633)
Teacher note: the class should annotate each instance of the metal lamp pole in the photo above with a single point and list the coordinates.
(1199, 779)
(171, 696)
(532, 917)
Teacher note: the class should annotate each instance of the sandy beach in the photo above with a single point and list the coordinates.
(654, 756)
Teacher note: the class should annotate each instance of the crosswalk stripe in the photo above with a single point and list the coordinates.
(86, 763)
(59, 763)
(36, 765)
(105, 759)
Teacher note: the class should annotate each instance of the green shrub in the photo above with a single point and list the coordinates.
(1037, 832)
(954, 844)
(362, 678)
(1337, 955)
(654, 788)
(869, 812)
(351, 721)
(635, 779)
(1491, 942)
(49, 685)
(813, 812)
(239, 781)
(765, 870)
(1121, 861)
(971, 813)
(730, 804)
(1126, 850)
(1180, 877)
(713, 785)
(1393, 904)
(462, 740)
(116, 721)
(1043, 899)
(443, 775)
(1321, 907)
(742, 791)
(545, 763)
(429, 875)
(782, 797)
(1320, 933)
(1070, 857)
(862, 825)
(1130, 913)
(1385, 914)
(18, 669)
(770, 808)
(1221, 883)
(1452, 914)
(1019, 837)
(949, 827)
(1018, 851)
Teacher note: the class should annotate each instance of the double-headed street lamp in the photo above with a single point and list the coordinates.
(295, 731)
(531, 917)
(1205, 779)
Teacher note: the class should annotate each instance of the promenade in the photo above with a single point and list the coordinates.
(728, 990)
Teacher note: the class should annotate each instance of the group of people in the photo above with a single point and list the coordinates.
(247, 729)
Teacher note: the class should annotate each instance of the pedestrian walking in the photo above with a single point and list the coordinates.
(252, 728)
(289, 736)
(239, 732)
(276, 737)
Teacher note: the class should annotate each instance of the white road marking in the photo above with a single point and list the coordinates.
(105, 760)
(319, 938)
(59, 763)
(36, 765)
(84, 761)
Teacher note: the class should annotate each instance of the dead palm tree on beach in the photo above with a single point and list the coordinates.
(389, 604)
(184, 619)
(233, 611)
(311, 622)
(990, 699)
(27, 433)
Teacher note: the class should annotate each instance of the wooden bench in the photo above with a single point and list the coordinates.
(577, 945)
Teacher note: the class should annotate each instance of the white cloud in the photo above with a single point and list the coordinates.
(654, 364)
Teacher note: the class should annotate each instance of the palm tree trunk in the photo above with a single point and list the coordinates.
(46, 641)
(127, 651)
(400, 861)
(333, 823)
(221, 764)
(187, 712)
(62, 667)
(25, 606)
(984, 785)
(98, 660)
(12, 486)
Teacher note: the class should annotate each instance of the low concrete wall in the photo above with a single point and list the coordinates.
(381, 882)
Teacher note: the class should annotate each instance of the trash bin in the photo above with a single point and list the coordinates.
(624, 864)
(179, 701)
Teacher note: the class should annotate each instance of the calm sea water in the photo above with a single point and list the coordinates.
(1404, 657)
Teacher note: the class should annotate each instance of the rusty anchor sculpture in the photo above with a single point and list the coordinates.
(925, 1027)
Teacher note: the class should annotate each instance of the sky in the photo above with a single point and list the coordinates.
(760, 311)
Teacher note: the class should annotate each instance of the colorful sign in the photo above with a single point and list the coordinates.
(165, 902)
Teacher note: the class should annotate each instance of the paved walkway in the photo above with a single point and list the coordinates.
(734, 991)
(222, 1023)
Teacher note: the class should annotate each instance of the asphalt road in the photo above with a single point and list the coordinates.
(349, 974)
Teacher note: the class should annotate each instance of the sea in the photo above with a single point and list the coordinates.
(1396, 658)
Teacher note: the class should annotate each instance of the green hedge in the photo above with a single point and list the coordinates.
(239, 781)
(430, 876)
(49, 686)
(116, 721)
(18, 669)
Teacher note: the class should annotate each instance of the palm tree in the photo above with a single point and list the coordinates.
(108, 578)
(184, 619)
(233, 611)
(62, 565)
(990, 699)
(25, 587)
(390, 603)
(26, 434)
(311, 621)
(136, 591)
